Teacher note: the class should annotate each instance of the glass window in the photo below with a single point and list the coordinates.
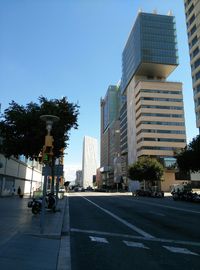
(192, 19)
(194, 28)
(195, 52)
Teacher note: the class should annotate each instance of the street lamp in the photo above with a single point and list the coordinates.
(49, 119)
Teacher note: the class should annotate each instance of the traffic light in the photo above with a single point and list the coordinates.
(47, 154)
(47, 151)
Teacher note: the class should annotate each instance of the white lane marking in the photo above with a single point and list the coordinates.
(180, 250)
(167, 206)
(135, 244)
(131, 226)
(190, 243)
(157, 214)
(98, 239)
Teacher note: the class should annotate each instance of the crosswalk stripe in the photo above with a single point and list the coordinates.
(98, 239)
(135, 244)
(180, 250)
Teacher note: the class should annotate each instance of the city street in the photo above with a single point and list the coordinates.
(110, 231)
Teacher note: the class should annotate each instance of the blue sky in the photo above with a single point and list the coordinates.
(73, 48)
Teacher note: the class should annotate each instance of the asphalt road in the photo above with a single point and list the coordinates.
(109, 231)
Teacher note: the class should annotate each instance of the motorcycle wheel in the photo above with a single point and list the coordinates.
(35, 209)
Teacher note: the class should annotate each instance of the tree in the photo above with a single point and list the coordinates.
(23, 132)
(146, 168)
(188, 159)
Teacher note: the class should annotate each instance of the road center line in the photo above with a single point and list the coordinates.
(131, 226)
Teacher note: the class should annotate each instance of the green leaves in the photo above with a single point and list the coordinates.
(189, 158)
(146, 168)
(23, 132)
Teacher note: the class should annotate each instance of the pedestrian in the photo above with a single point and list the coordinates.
(19, 191)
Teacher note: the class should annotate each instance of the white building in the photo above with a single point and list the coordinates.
(15, 173)
(89, 162)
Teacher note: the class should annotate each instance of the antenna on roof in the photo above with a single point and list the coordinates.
(140, 10)
(155, 11)
(169, 13)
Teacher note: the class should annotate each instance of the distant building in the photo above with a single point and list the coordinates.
(192, 13)
(110, 134)
(89, 161)
(79, 178)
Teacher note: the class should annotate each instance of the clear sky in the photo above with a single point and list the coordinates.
(73, 48)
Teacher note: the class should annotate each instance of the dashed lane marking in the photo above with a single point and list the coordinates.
(129, 236)
(135, 244)
(180, 250)
(98, 239)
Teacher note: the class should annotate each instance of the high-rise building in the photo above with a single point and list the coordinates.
(110, 133)
(90, 161)
(155, 112)
(192, 13)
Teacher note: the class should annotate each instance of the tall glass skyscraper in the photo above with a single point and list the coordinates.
(155, 111)
(192, 13)
(151, 48)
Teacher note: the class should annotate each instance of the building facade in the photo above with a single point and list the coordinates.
(89, 161)
(155, 112)
(110, 134)
(192, 13)
(15, 173)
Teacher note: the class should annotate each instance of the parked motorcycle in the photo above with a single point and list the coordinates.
(36, 204)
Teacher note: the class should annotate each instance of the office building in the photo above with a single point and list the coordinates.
(89, 161)
(155, 112)
(110, 133)
(192, 13)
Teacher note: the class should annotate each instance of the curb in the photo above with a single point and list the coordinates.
(64, 256)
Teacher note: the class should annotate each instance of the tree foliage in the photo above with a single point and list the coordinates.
(189, 158)
(23, 132)
(146, 168)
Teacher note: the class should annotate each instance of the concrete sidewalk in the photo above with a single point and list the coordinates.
(31, 250)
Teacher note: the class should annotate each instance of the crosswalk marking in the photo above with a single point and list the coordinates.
(135, 244)
(98, 239)
(180, 250)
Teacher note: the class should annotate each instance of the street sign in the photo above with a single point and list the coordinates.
(58, 170)
(46, 170)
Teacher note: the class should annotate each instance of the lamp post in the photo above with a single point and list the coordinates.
(49, 119)
(31, 183)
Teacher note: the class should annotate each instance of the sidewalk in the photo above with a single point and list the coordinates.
(31, 250)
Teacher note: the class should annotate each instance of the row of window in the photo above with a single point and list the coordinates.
(193, 42)
(161, 99)
(160, 59)
(187, 3)
(192, 31)
(197, 89)
(195, 52)
(157, 148)
(160, 123)
(191, 20)
(160, 115)
(160, 107)
(156, 38)
(196, 77)
(159, 92)
(161, 131)
(190, 10)
(160, 140)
